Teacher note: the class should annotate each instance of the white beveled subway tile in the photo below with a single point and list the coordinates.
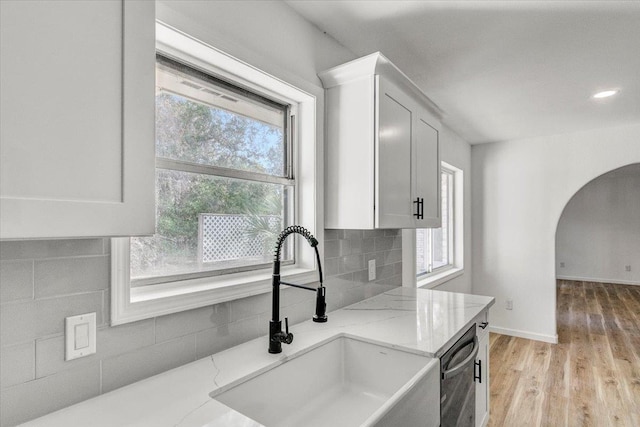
(299, 312)
(331, 266)
(333, 234)
(391, 281)
(54, 277)
(191, 321)
(361, 276)
(290, 296)
(352, 263)
(356, 246)
(39, 249)
(32, 399)
(130, 367)
(16, 280)
(250, 306)
(30, 320)
(384, 243)
(332, 249)
(353, 234)
(368, 245)
(385, 271)
(213, 340)
(372, 233)
(111, 341)
(250, 328)
(18, 362)
(393, 256)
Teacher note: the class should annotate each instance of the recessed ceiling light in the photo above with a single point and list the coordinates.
(605, 93)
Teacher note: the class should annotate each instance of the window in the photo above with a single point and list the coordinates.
(224, 183)
(434, 256)
(235, 164)
(434, 246)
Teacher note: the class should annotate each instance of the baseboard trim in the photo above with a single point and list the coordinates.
(553, 339)
(599, 280)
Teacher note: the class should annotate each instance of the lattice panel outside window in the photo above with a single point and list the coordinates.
(233, 237)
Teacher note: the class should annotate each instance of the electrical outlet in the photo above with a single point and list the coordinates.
(627, 268)
(562, 265)
(509, 304)
(372, 269)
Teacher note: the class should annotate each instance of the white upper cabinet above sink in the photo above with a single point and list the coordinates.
(382, 161)
(77, 119)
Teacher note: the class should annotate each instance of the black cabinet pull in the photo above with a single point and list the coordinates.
(483, 325)
(479, 376)
(419, 202)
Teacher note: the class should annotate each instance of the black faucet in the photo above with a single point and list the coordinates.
(276, 335)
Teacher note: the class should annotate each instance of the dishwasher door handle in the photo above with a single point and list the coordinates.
(460, 367)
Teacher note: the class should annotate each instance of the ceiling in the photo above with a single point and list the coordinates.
(502, 70)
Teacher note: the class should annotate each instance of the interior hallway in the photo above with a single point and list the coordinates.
(590, 378)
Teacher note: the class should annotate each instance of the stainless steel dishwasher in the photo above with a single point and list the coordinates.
(457, 387)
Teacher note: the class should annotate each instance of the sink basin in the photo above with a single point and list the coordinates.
(341, 382)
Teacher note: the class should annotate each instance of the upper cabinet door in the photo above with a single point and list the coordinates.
(77, 119)
(396, 113)
(426, 164)
(382, 165)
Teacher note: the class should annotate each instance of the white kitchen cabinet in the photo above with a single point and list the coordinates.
(77, 118)
(482, 371)
(382, 165)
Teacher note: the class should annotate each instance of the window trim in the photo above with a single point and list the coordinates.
(456, 268)
(451, 256)
(166, 298)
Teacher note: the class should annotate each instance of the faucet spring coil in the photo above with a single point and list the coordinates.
(290, 230)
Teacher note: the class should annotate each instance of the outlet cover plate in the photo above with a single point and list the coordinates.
(80, 335)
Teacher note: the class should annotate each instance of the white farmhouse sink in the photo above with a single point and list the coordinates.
(341, 382)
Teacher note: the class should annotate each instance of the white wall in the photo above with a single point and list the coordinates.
(520, 189)
(599, 231)
(266, 34)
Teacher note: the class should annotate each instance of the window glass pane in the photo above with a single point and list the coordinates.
(208, 223)
(202, 120)
(441, 235)
(423, 251)
(434, 246)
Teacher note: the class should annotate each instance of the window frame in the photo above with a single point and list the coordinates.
(170, 297)
(455, 268)
(451, 190)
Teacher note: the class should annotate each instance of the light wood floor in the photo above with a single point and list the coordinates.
(590, 378)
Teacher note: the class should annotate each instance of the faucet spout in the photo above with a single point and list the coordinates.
(276, 335)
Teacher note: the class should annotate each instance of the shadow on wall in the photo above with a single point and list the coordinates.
(598, 234)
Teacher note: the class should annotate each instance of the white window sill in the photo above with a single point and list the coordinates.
(253, 284)
(440, 278)
(158, 300)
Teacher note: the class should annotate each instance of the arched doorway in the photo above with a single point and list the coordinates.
(597, 255)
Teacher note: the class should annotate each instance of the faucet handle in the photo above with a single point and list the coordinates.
(288, 338)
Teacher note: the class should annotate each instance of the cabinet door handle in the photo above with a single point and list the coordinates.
(479, 376)
(419, 208)
(417, 203)
(483, 325)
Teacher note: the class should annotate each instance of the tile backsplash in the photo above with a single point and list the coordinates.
(42, 282)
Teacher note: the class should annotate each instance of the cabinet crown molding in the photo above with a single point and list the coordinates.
(376, 64)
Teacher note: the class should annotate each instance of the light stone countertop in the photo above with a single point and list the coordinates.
(422, 321)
